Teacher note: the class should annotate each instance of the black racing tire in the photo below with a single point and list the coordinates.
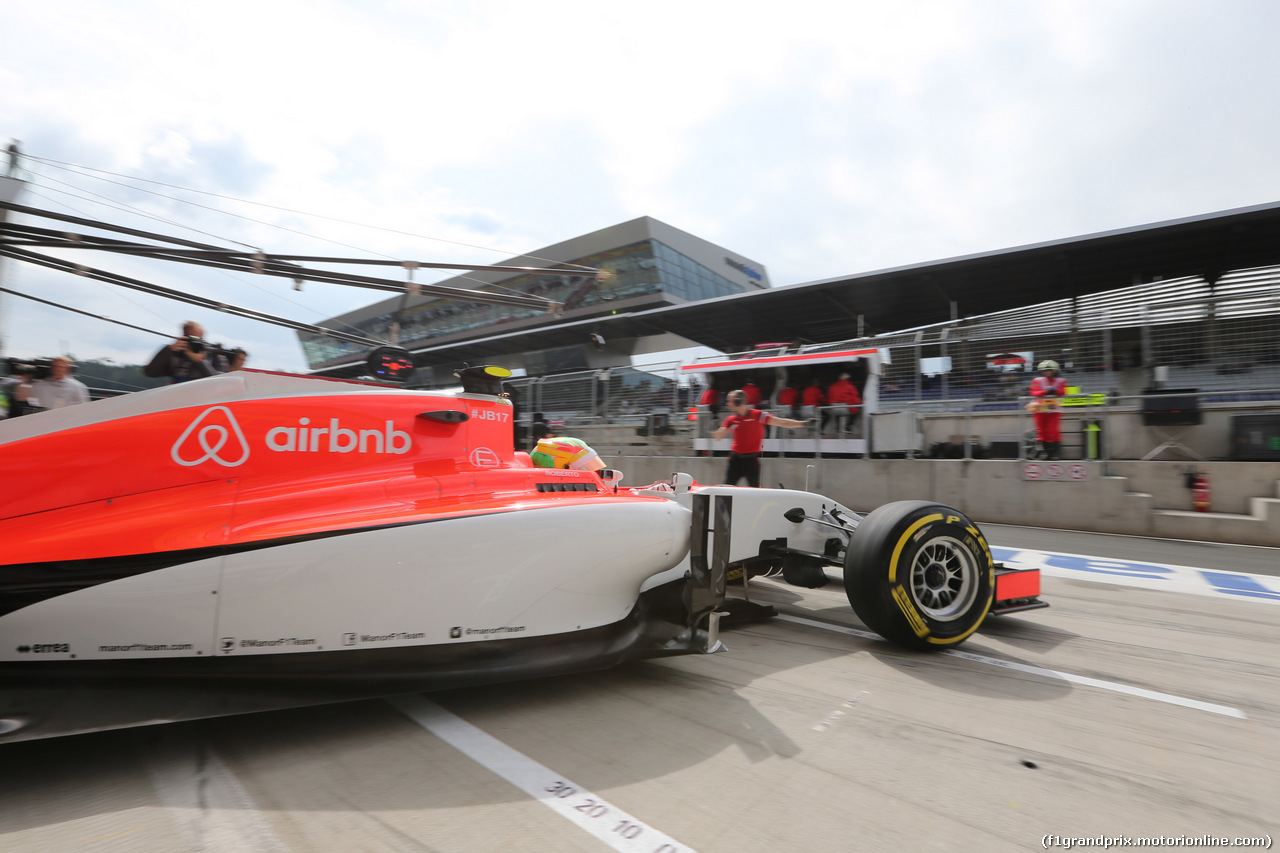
(919, 574)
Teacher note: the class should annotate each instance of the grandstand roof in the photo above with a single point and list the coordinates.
(927, 293)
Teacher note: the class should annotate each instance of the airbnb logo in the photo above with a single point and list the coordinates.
(335, 438)
(214, 436)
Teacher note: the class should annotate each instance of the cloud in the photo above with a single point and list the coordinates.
(818, 139)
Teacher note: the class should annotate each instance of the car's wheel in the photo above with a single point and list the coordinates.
(920, 574)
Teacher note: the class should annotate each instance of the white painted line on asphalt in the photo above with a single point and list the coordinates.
(827, 626)
(588, 812)
(1113, 686)
(202, 795)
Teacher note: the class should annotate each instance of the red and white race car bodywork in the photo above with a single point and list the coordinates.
(321, 538)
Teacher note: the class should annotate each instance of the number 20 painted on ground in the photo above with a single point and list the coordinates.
(592, 808)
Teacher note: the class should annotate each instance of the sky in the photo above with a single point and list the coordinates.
(820, 139)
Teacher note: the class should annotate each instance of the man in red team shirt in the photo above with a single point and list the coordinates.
(748, 426)
(812, 399)
(789, 400)
(711, 399)
(846, 402)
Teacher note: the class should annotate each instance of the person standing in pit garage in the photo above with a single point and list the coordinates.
(846, 403)
(747, 425)
(711, 399)
(812, 399)
(1048, 388)
(789, 401)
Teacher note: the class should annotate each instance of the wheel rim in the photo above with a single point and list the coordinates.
(944, 579)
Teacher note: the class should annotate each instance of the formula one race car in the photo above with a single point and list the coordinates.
(258, 540)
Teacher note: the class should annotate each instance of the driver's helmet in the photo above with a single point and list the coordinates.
(1048, 364)
(572, 453)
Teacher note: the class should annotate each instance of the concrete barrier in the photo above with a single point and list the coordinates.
(1121, 493)
(1130, 498)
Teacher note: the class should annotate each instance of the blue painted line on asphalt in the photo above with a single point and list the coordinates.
(1185, 579)
(1124, 568)
(1233, 584)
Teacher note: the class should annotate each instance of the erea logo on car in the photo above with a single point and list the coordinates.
(215, 436)
(44, 648)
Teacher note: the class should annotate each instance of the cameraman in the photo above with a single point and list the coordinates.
(185, 359)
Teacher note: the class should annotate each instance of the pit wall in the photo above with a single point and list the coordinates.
(1123, 496)
(1130, 498)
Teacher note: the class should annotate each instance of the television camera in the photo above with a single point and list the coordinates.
(221, 357)
(36, 368)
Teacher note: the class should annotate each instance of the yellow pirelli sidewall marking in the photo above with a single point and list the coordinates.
(899, 593)
(904, 604)
(950, 641)
(902, 541)
(977, 534)
(991, 578)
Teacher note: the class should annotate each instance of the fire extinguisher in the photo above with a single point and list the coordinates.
(1200, 492)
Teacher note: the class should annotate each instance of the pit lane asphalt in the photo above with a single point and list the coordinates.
(1118, 711)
